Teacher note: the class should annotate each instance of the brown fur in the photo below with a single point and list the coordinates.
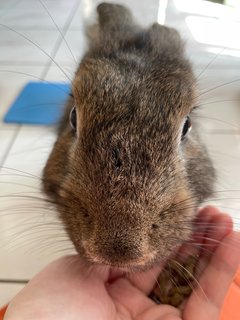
(126, 186)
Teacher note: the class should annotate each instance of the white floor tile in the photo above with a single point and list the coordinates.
(76, 41)
(8, 291)
(217, 72)
(6, 137)
(7, 6)
(30, 239)
(28, 154)
(29, 226)
(12, 80)
(144, 12)
(225, 152)
(30, 233)
(220, 80)
(83, 14)
(63, 74)
(222, 116)
(28, 13)
(18, 47)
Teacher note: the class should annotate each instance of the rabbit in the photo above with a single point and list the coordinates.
(128, 169)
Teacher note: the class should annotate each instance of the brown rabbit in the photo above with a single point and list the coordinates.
(125, 172)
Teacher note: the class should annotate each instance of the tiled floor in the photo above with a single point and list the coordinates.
(30, 235)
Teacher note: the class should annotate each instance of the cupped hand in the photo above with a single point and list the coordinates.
(68, 289)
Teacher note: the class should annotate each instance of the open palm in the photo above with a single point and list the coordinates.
(68, 290)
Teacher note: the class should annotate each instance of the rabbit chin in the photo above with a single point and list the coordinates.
(128, 267)
(142, 264)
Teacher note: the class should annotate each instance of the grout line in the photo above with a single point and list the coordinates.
(36, 28)
(22, 63)
(30, 64)
(61, 37)
(223, 132)
(13, 281)
(40, 28)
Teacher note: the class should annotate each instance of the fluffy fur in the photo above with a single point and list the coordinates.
(125, 184)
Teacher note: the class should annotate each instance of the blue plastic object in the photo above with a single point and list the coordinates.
(39, 103)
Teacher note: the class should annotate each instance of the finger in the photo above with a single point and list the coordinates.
(219, 227)
(211, 226)
(203, 221)
(145, 281)
(127, 295)
(137, 304)
(206, 213)
(206, 302)
(200, 227)
(64, 282)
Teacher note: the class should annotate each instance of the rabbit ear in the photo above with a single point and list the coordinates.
(113, 17)
(165, 39)
(115, 25)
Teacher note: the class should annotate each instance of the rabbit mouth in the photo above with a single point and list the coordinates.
(126, 266)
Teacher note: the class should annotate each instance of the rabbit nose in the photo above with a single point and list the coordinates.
(120, 251)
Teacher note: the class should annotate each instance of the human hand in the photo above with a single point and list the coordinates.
(68, 289)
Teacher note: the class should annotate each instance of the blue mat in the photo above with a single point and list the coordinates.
(39, 103)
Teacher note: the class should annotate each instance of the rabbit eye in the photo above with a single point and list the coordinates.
(73, 118)
(186, 127)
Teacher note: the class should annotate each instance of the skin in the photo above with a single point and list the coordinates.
(68, 289)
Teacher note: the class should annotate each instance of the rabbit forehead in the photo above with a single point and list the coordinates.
(112, 84)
